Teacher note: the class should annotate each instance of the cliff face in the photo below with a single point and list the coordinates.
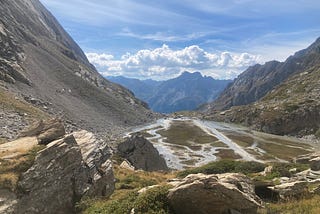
(40, 61)
(258, 80)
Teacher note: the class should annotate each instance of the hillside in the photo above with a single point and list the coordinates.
(292, 107)
(186, 92)
(258, 80)
(41, 64)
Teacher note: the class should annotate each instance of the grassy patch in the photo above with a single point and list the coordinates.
(282, 151)
(218, 144)
(11, 169)
(126, 197)
(241, 140)
(153, 201)
(224, 166)
(186, 133)
(227, 154)
(127, 179)
(304, 206)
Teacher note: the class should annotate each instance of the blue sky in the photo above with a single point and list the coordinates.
(161, 39)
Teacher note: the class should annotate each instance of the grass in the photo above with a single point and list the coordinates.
(187, 134)
(303, 206)
(224, 166)
(282, 151)
(227, 154)
(153, 201)
(11, 169)
(218, 144)
(126, 197)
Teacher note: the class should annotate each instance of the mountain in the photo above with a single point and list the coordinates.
(42, 66)
(142, 89)
(258, 80)
(292, 106)
(186, 92)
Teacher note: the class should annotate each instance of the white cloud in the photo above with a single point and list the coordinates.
(165, 63)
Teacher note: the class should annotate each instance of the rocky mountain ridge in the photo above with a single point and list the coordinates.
(258, 80)
(289, 108)
(40, 64)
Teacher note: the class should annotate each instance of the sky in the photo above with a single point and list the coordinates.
(160, 39)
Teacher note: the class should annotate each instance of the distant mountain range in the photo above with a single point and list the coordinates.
(186, 92)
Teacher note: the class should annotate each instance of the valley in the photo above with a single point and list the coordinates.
(188, 142)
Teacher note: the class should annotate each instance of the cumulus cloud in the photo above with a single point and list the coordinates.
(165, 63)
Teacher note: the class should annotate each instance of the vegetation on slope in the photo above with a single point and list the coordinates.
(154, 201)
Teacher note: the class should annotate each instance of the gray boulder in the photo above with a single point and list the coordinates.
(141, 154)
(63, 173)
(221, 193)
(46, 131)
(290, 190)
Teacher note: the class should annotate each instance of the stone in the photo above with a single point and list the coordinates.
(141, 154)
(65, 172)
(293, 189)
(221, 193)
(46, 131)
(127, 165)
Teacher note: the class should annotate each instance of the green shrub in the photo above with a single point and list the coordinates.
(225, 166)
(153, 201)
(283, 169)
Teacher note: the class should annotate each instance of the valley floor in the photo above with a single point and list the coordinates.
(186, 142)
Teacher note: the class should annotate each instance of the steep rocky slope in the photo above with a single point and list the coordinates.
(258, 80)
(186, 92)
(293, 107)
(42, 65)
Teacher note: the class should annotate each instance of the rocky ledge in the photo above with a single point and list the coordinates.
(66, 170)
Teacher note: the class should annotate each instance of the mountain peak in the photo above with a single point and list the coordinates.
(188, 74)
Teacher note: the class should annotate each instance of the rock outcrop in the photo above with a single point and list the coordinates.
(290, 190)
(142, 154)
(64, 172)
(220, 194)
(46, 131)
(278, 98)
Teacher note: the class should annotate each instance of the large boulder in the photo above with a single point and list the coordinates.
(46, 131)
(291, 189)
(141, 154)
(63, 173)
(221, 193)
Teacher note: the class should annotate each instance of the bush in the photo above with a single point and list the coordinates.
(283, 169)
(153, 201)
(225, 166)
